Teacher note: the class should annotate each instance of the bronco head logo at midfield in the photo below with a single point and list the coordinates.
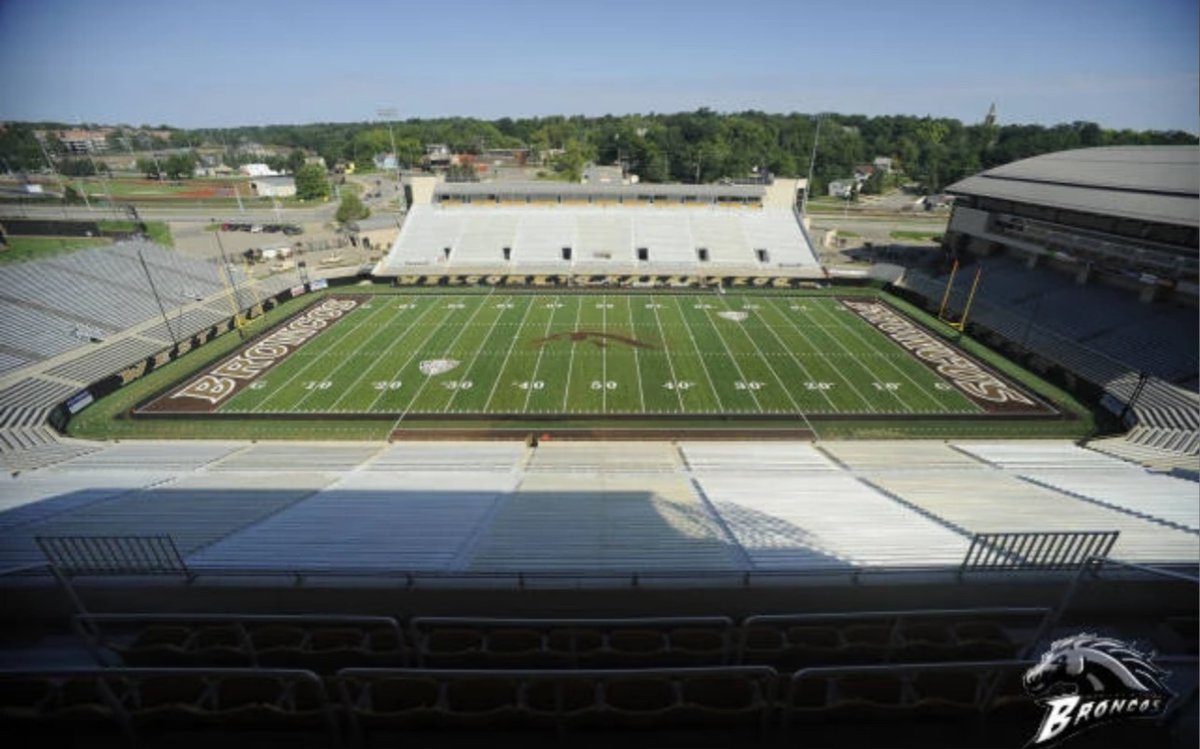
(1086, 679)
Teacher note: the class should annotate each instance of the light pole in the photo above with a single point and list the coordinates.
(390, 114)
(812, 161)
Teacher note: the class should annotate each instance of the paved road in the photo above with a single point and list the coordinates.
(174, 213)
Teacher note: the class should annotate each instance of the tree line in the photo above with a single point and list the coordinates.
(701, 146)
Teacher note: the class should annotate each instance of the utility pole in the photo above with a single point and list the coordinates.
(62, 188)
(157, 298)
(390, 114)
(812, 161)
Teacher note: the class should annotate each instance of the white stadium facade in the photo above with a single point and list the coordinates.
(653, 593)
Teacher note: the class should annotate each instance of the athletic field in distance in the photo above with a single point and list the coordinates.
(509, 354)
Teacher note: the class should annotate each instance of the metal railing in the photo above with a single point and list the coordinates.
(1046, 551)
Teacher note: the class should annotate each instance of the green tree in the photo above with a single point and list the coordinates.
(295, 160)
(180, 165)
(148, 167)
(311, 182)
(351, 208)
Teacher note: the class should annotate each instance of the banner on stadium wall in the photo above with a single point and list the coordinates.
(79, 401)
(298, 291)
(319, 284)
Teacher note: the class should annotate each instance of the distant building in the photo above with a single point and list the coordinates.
(318, 160)
(84, 141)
(863, 172)
(504, 157)
(257, 170)
(883, 164)
(603, 175)
(274, 187)
(386, 161)
(842, 188)
(437, 156)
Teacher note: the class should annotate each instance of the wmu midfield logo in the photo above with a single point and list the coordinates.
(1086, 680)
(431, 367)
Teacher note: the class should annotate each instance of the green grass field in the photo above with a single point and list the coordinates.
(22, 249)
(589, 355)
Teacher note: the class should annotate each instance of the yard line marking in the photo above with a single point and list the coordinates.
(741, 374)
(538, 362)
(786, 391)
(636, 363)
(571, 361)
(907, 355)
(803, 368)
(416, 350)
(902, 373)
(475, 358)
(504, 364)
(667, 349)
(315, 359)
(696, 348)
(866, 401)
(366, 370)
(604, 356)
(487, 298)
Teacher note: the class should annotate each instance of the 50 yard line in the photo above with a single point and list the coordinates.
(637, 365)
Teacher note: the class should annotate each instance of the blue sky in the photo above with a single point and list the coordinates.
(193, 63)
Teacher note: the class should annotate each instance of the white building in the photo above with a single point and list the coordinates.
(257, 170)
(274, 187)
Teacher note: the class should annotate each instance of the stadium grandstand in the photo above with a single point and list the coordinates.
(552, 227)
(1089, 266)
(875, 584)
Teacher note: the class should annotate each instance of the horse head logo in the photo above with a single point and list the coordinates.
(1087, 664)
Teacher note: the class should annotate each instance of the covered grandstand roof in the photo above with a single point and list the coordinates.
(1147, 183)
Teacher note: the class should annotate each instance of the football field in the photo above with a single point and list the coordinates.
(510, 354)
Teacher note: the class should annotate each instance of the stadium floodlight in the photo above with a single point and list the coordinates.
(389, 113)
(812, 162)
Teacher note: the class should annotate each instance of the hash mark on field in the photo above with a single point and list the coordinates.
(314, 360)
(604, 355)
(365, 370)
(667, 350)
(867, 403)
(741, 375)
(696, 348)
(449, 348)
(854, 333)
(636, 363)
(501, 307)
(504, 364)
(807, 374)
(767, 361)
(541, 349)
